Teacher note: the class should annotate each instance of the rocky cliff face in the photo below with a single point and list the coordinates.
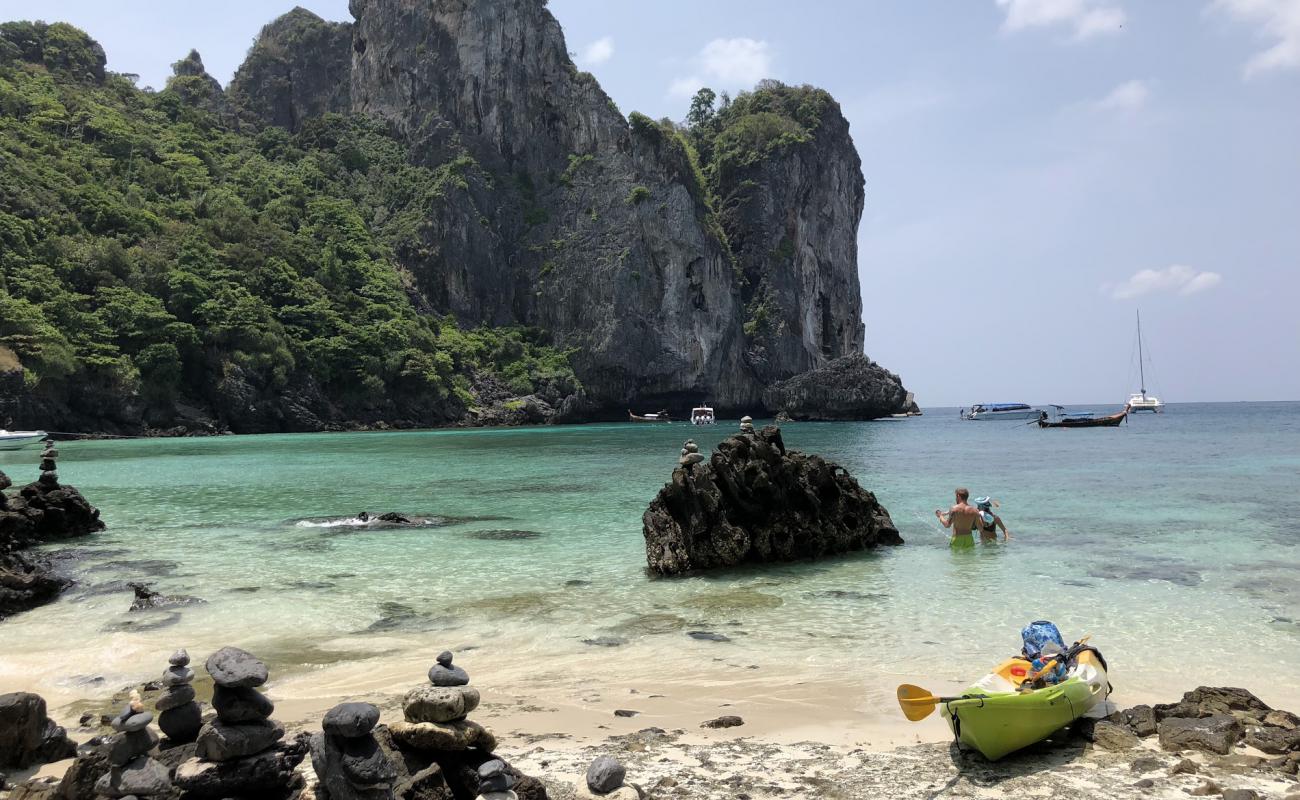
(298, 68)
(573, 222)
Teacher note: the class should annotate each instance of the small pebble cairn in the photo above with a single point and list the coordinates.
(132, 771)
(747, 425)
(49, 467)
(236, 754)
(179, 716)
(436, 713)
(690, 454)
(495, 781)
(348, 759)
(605, 780)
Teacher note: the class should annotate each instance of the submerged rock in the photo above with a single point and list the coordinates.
(755, 502)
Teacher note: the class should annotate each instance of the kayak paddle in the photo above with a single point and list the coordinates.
(918, 703)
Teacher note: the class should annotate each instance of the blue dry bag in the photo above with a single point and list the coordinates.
(1037, 635)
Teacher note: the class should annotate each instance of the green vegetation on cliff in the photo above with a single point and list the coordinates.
(150, 247)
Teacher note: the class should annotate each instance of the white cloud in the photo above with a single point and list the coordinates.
(1276, 20)
(598, 52)
(1128, 97)
(1175, 278)
(726, 64)
(1087, 18)
(685, 87)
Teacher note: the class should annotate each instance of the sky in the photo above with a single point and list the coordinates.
(1037, 171)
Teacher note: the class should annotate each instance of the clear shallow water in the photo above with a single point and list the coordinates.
(1164, 539)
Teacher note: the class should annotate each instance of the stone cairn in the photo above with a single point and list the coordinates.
(49, 467)
(348, 759)
(690, 454)
(132, 771)
(605, 780)
(436, 713)
(179, 716)
(495, 781)
(747, 425)
(236, 754)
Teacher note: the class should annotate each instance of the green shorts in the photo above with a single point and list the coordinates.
(962, 541)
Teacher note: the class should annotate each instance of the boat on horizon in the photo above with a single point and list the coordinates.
(17, 440)
(1083, 419)
(993, 411)
(1141, 401)
(703, 415)
(661, 416)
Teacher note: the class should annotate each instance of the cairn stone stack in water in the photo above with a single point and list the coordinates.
(754, 501)
(347, 758)
(133, 772)
(179, 716)
(239, 754)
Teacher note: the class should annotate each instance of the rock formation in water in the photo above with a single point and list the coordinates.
(42, 511)
(853, 387)
(754, 501)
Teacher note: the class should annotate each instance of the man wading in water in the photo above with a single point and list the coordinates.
(961, 518)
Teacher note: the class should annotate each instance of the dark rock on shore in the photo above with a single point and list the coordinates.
(27, 735)
(852, 387)
(753, 501)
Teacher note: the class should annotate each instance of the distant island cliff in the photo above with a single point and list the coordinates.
(428, 216)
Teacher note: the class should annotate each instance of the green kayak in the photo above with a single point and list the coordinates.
(995, 718)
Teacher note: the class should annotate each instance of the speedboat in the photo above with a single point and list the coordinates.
(703, 415)
(1000, 411)
(17, 440)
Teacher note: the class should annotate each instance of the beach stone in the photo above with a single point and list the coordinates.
(605, 775)
(625, 712)
(351, 720)
(1240, 794)
(1185, 767)
(1212, 700)
(1142, 719)
(123, 748)
(236, 669)
(444, 673)
(87, 768)
(1206, 789)
(22, 723)
(723, 722)
(1216, 734)
(494, 779)
(222, 741)
(443, 736)
(175, 697)
(621, 793)
(1274, 741)
(181, 724)
(1113, 736)
(181, 658)
(1145, 764)
(1282, 719)
(439, 703)
(352, 768)
(267, 774)
(178, 676)
(241, 705)
(1145, 783)
(143, 776)
(137, 721)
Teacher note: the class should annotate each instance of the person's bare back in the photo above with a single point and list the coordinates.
(961, 518)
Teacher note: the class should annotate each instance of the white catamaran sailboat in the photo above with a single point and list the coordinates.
(1141, 401)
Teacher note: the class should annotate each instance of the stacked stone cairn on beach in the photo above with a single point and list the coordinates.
(747, 425)
(441, 754)
(49, 466)
(236, 754)
(132, 771)
(690, 454)
(179, 715)
(348, 759)
(604, 780)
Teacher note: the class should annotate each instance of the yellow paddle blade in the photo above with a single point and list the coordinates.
(917, 703)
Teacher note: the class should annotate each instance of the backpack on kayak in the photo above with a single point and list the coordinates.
(1039, 637)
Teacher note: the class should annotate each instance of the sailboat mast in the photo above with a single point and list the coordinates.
(1141, 365)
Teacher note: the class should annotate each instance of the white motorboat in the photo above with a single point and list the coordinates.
(17, 440)
(703, 415)
(1141, 401)
(993, 411)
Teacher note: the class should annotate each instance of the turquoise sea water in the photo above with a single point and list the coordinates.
(1167, 539)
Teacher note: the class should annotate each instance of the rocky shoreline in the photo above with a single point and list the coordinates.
(1216, 742)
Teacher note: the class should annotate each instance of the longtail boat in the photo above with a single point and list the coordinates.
(662, 416)
(1085, 422)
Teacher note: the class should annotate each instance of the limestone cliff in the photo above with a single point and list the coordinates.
(298, 68)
